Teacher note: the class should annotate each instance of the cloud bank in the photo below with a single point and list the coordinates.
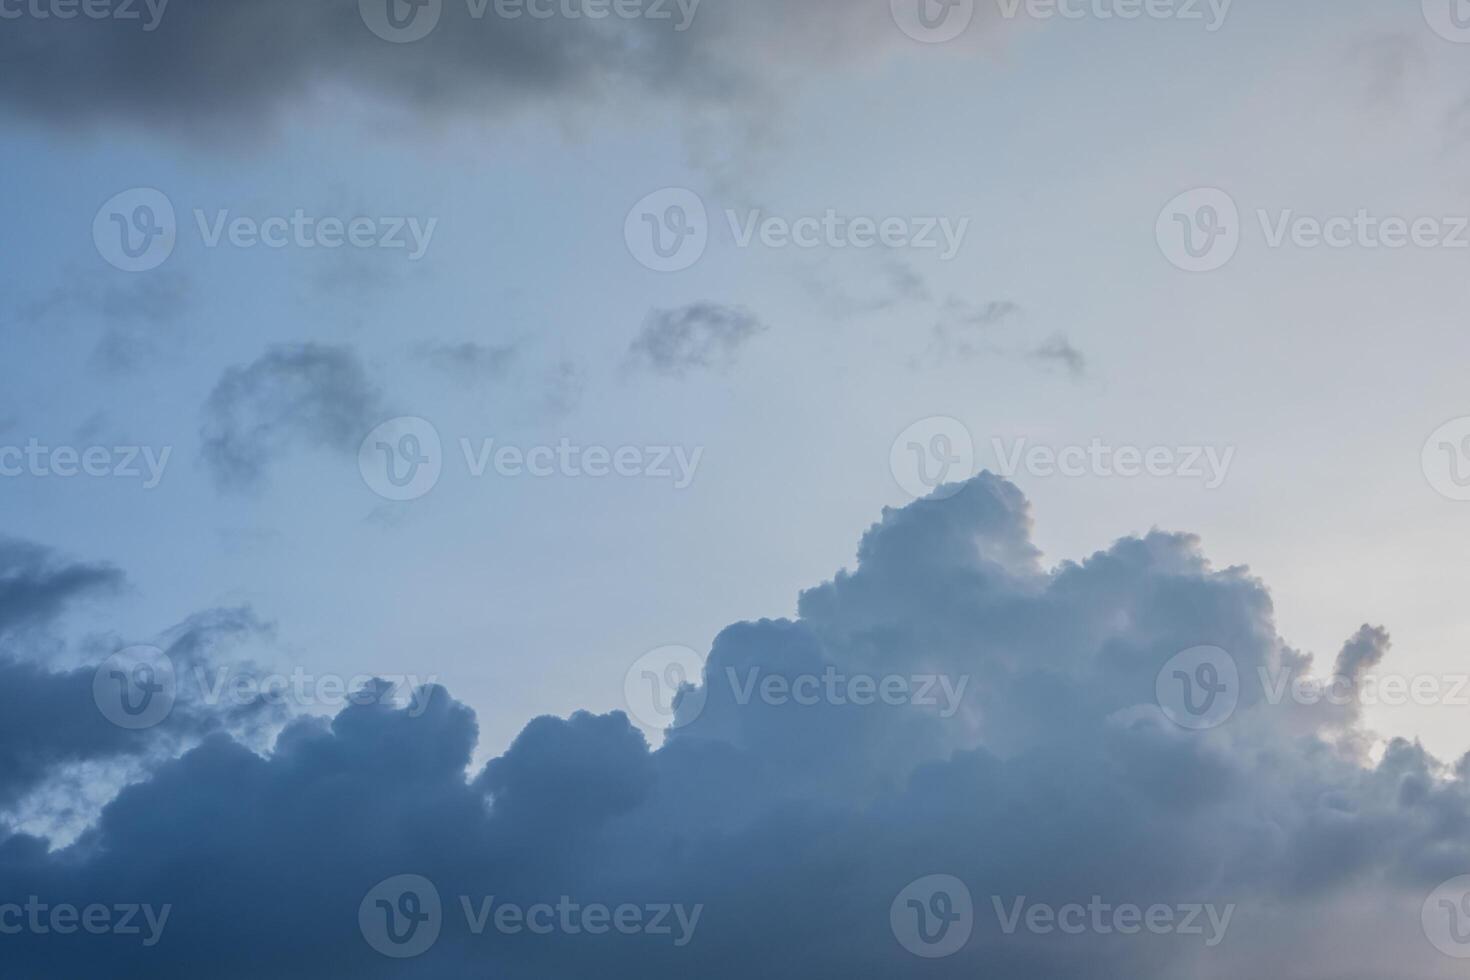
(779, 833)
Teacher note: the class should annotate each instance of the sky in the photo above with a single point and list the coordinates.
(1023, 348)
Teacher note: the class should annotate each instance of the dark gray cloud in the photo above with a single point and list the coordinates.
(211, 67)
(37, 585)
(303, 395)
(795, 826)
(701, 336)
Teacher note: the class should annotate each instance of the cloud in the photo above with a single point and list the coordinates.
(214, 67)
(793, 827)
(1058, 350)
(696, 337)
(307, 394)
(470, 362)
(36, 585)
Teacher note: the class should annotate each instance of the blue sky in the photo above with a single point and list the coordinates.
(788, 373)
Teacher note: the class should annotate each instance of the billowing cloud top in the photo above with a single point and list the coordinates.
(1021, 737)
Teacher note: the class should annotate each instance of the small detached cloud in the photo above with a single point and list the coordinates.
(307, 395)
(701, 336)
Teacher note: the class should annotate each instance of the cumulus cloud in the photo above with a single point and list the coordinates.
(309, 394)
(695, 337)
(1054, 776)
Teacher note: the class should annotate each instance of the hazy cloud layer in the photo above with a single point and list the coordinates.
(695, 337)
